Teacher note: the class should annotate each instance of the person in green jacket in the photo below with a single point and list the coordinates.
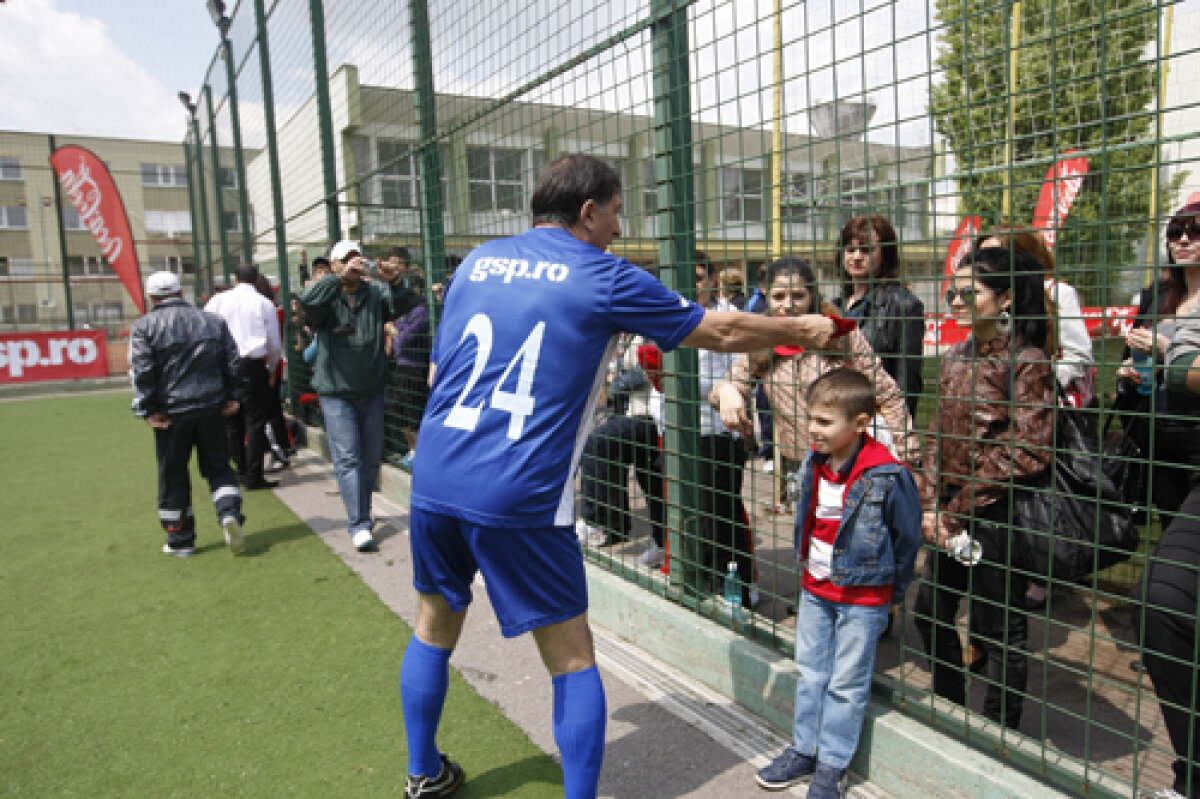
(348, 312)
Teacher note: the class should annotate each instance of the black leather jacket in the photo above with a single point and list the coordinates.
(892, 319)
(183, 361)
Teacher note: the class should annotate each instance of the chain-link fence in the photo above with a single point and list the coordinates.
(875, 143)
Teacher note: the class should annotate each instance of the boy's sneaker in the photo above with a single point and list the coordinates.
(179, 552)
(590, 535)
(828, 783)
(445, 783)
(653, 557)
(235, 539)
(790, 768)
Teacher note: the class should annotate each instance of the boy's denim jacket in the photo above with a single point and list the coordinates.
(880, 530)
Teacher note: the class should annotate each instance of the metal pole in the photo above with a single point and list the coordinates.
(433, 234)
(197, 288)
(333, 223)
(777, 138)
(216, 156)
(205, 230)
(238, 160)
(268, 90)
(62, 244)
(677, 258)
(1164, 67)
(1014, 43)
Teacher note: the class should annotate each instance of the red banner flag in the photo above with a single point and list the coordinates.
(88, 183)
(1062, 185)
(948, 331)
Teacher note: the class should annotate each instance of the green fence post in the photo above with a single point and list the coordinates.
(433, 233)
(216, 155)
(677, 256)
(333, 223)
(197, 290)
(268, 90)
(205, 230)
(238, 159)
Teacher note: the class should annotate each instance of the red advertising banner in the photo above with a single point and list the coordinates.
(87, 181)
(947, 330)
(1116, 320)
(1062, 185)
(29, 357)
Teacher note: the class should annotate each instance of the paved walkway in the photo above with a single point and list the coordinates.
(667, 736)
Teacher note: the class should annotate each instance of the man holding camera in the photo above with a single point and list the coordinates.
(347, 313)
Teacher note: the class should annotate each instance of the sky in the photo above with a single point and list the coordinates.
(102, 67)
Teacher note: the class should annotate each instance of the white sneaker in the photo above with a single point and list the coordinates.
(363, 540)
(769, 467)
(653, 557)
(589, 534)
(1168, 793)
(235, 539)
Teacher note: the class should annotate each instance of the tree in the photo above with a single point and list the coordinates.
(1087, 80)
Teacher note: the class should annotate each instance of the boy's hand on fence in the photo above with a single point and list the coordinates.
(933, 529)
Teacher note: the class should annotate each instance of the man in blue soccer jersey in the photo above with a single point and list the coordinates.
(519, 358)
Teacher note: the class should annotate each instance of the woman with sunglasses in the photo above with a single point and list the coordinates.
(1151, 336)
(993, 424)
(889, 315)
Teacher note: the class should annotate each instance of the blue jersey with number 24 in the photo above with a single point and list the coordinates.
(521, 352)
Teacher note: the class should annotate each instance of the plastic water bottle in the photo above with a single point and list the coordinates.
(733, 590)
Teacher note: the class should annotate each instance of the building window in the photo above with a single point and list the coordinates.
(88, 266)
(233, 222)
(742, 195)
(20, 314)
(14, 217)
(399, 182)
(179, 264)
(172, 223)
(164, 175)
(16, 267)
(496, 180)
(10, 168)
(797, 197)
(229, 177)
(71, 219)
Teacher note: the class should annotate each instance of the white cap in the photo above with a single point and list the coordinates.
(161, 284)
(344, 248)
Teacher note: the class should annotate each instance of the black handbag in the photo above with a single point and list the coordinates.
(1073, 520)
(1126, 466)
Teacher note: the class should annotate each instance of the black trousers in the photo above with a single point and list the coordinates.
(1002, 630)
(722, 459)
(246, 429)
(610, 450)
(173, 448)
(1169, 630)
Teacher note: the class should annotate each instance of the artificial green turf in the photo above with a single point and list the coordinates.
(128, 673)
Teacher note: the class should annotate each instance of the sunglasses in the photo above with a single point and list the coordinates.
(1175, 232)
(966, 295)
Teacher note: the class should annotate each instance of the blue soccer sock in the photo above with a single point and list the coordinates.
(424, 680)
(580, 714)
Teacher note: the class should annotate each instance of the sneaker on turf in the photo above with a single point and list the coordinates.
(179, 552)
(653, 557)
(363, 540)
(235, 539)
(590, 535)
(790, 768)
(828, 783)
(445, 783)
(1168, 793)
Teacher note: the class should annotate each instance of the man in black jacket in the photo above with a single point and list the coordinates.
(185, 371)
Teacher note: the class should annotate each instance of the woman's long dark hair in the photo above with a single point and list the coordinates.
(1177, 277)
(1002, 270)
(860, 227)
(800, 268)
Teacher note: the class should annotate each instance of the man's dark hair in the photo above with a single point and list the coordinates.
(569, 182)
(845, 389)
(702, 259)
(401, 253)
(321, 263)
(246, 273)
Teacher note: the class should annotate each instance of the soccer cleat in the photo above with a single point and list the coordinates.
(363, 541)
(179, 552)
(235, 539)
(790, 768)
(653, 557)
(828, 783)
(445, 783)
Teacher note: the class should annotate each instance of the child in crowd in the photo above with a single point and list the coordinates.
(858, 529)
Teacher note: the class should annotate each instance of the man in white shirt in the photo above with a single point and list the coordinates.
(253, 321)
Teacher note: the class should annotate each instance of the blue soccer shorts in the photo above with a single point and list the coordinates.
(534, 577)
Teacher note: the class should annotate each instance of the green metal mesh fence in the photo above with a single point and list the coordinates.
(743, 133)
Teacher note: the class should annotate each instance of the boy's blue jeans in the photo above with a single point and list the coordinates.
(835, 652)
